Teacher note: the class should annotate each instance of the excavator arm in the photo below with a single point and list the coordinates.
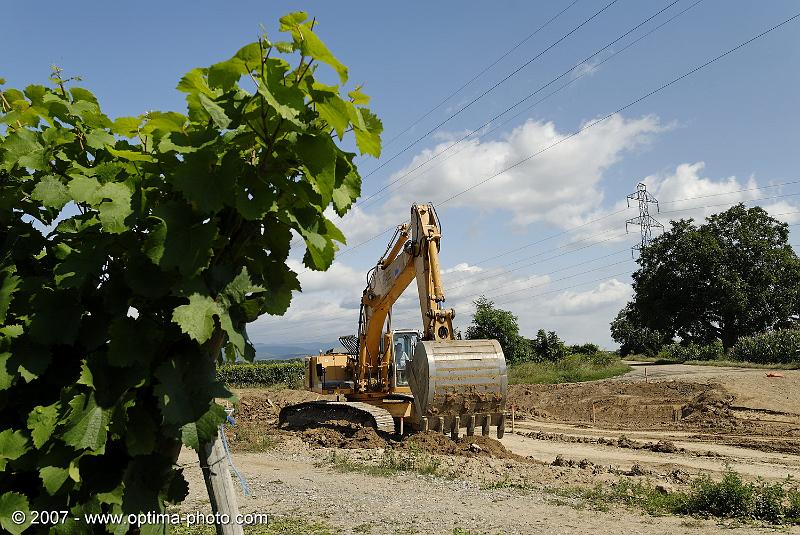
(414, 254)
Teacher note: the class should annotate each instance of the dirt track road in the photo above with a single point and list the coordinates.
(680, 422)
(291, 485)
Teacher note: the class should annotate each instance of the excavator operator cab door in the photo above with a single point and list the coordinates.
(403, 344)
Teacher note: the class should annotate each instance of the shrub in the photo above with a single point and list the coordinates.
(633, 337)
(263, 374)
(692, 351)
(728, 498)
(773, 347)
(586, 349)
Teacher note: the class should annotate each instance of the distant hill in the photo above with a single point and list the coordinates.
(290, 351)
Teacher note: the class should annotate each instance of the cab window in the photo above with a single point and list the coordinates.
(403, 349)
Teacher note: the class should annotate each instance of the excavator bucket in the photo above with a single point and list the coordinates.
(459, 383)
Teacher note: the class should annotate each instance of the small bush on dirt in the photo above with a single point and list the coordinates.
(728, 498)
(781, 347)
(571, 369)
(792, 506)
(691, 351)
(262, 374)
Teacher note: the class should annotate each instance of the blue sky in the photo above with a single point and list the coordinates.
(732, 126)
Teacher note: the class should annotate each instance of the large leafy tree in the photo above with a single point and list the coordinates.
(489, 322)
(734, 275)
(164, 235)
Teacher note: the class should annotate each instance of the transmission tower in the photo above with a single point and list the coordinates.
(645, 221)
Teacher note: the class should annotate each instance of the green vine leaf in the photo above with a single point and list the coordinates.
(9, 503)
(204, 429)
(197, 318)
(87, 424)
(42, 422)
(51, 192)
(53, 478)
(13, 445)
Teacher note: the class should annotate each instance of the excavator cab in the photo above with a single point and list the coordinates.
(403, 344)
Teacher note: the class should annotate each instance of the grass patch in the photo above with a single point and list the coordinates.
(277, 526)
(252, 438)
(728, 498)
(391, 463)
(571, 369)
(717, 362)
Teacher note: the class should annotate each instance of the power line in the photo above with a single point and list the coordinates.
(481, 73)
(622, 108)
(556, 235)
(545, 283)
(462, 280)
(556, 290)
(492, 88)
(730, 203)
(566, 72)
(626, 47)
(314, 322)
(506, 272)
(768, 186)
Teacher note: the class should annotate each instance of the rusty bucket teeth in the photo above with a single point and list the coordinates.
(459, 383)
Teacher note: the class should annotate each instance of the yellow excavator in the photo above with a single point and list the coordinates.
(401, 380)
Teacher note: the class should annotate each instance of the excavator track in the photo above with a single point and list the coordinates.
(319, 413)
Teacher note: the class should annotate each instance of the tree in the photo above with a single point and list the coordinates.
(633, 337)
(548, 346)
(178, 236)
(493, 323)
(734, 275)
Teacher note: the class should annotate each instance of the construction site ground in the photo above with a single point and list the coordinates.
(660, 424)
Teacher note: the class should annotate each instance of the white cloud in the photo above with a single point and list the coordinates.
(682, 194)
(589, 302)
(561, 185)
(686, 194)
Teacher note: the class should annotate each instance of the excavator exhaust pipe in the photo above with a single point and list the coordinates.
(459, 383)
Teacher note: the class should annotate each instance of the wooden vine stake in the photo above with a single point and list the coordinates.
(220, 488)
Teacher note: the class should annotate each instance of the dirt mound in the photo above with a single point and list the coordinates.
(345, 437)
(263, 406)
(440, 444)
(624, 404)
(427, 442)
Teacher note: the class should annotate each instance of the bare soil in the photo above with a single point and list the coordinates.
(664, 425)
